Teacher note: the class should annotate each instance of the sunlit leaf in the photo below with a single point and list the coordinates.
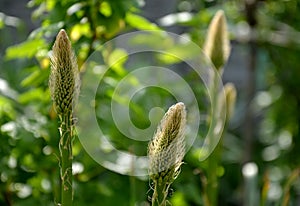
(179, 199)
(25, 50)
(140, 22)
(6, 108)
(79, 30)
(178, 53)
(1, 23)
(34, 95)
(117, 59)
(105, 9)
(50, 5)
(152, 40)
(35, 78)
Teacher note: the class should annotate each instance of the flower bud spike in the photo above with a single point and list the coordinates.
(64, 88)
(166, 151)
(64, 77)
(217, 45)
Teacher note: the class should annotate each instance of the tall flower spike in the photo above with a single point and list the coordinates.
(166, 151)
(217, 45)
(64, 88)
(64, 77)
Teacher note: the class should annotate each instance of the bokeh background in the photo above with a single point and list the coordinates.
(264, 130)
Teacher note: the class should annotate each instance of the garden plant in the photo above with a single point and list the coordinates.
(124, 103)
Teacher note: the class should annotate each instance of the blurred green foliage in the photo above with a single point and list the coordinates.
(28, 130)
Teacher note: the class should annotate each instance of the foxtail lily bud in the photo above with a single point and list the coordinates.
(64, 78)
(166, 151)
(217, 46)
(167, 148)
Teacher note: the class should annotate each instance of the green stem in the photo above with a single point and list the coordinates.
(160, 193)
(212, 176)
(65, 149)
(132, 190)
(214, 158)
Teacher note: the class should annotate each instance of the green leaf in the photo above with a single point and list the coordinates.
(153, 40)
(105, 9)
(79, 30)
(26, 49)
(1, 23)
(6, 108)
(117, 59)
(34, 94)
(139, 22)
(178, 53)
(35, 78)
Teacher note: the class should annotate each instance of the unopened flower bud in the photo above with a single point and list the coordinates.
(167, 148)
(64, 77)
(217, 45)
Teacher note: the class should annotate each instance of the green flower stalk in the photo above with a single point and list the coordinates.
(217, 45)
(217, 48)
(64, 87)
(166, 151)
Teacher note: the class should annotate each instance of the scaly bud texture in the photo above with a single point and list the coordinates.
(64, 87)
(217, 45)
(64, 77)
(166, 151)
